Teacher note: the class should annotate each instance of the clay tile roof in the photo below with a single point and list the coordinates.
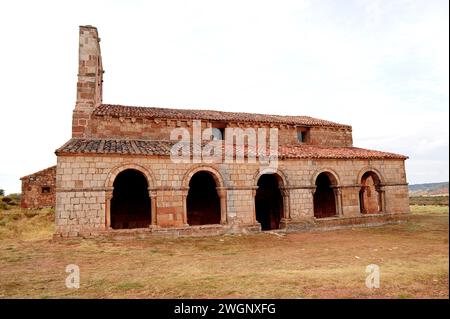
(44, 171)
(208, 115)
(315, 151)
(162, 148)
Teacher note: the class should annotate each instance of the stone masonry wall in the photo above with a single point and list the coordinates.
(83, 184)
(39, 189)
(160, 129)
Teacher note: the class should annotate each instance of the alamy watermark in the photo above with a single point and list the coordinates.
(73, 279)
(227, 145)
(373, 279)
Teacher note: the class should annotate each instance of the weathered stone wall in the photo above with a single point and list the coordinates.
(160, 129)
(84, 185)
(331, 136)
(90, 80)
(39, 189)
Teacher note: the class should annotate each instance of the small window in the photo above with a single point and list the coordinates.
(302, 136)
(218, 133)
(45, 189)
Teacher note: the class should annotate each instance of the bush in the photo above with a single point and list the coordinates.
(6, 199)
(2, 192)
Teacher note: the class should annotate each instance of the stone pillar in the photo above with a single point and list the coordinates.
(285, 192)
(108, 199)
(338, 199)
(185, 193)
(381, 197)
(255, 222)
(222, 193)
(153, 211)
(313, 191)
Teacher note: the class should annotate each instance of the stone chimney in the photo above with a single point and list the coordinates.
(90, 80)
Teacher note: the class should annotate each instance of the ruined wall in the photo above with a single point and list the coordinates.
(83, 184)
(39, 189)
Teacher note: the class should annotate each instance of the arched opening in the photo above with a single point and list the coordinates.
(130, 204)
(203, 202)
(370, 194)
(324, 197)
(269, 202)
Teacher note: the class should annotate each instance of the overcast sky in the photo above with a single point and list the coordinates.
(380, 66)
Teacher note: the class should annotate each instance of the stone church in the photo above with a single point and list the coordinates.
(116, 174)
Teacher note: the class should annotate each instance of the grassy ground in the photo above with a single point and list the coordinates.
(429, 200)
(413, 260)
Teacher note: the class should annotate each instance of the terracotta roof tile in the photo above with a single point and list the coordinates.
(162, 148)
(185, 114)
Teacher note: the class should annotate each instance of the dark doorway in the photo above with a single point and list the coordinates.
(268, 202)
(130, 205)
(324, 198)
(369, 195)
(203, 202)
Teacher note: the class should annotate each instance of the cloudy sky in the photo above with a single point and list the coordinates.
(378, 65)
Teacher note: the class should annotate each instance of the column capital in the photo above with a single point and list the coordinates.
(286, 192)
(221, 191)
(109, 195)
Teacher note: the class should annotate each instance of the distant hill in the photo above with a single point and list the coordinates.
(429, 189)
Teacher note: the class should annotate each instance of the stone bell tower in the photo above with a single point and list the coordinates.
(90, 80)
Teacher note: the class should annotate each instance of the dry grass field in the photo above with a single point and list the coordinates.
(413, 260)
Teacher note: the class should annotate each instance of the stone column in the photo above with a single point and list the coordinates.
(313, 191)
(153, 211)
(185, 193)
(108, 199)
(285, 192)
(382, 197)
(222, 192)
(338, 196)
(255, 222)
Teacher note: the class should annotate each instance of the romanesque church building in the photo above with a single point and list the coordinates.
(117, 173)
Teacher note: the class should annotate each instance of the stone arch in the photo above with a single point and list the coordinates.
(271, 198)
(334, 177)
(118, 169)
(109, 188)
(327, 198)
(374, 171)
(220, 188)
(281, 176)
(130, 204)
(371, 193)
(211, 169)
